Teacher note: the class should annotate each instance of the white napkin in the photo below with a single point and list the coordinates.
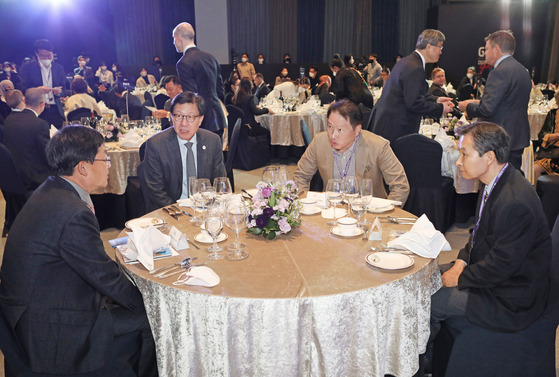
(423, 239)
(381, 203)
(186, 202)
(329, 213)
(202, 275)
(144, 241)
(52, 131)
(444, 140)
(104, 109)
(131, 140)
(320, 198)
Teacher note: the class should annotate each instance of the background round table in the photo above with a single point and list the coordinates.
(303, 304)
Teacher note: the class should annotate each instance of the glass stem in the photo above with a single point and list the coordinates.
(237, 245)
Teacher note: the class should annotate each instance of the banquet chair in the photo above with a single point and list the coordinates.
(232, 151)
(465, 92)
(233, 113)
(430, 192)
(548, 93)
(12, 187)
(77, 114)
(366, 116)
(316, 182)
(547, 188)
(160, 100)
(148, 99)
(470, 350)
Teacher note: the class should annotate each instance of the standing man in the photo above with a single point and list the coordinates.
(69, 305)
(49, 77)
(200, 73)
(506, 95)
(404, 98)
(373, 69)
(245, 68)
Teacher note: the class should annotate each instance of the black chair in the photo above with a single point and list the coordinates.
(475, 351)
(233, 113)
(366, 116)
(148, 99)
(465, 92)
(77, 114)
(547, 188)
(430, 192)
(233, 142)
(548, 93)
(326, 98)
(316, 182)
(12, 187)
(160, 100)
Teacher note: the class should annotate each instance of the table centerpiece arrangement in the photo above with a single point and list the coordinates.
(112, 130)
(274, 209)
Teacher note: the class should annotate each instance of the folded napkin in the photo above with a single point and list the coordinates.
(320, 198)
(143, 242)
(444, 140)
(131, 140)
(381, 203)
(104, 109)
(423, 239)
(187, 202)
(202, 275)
(52, 131)
(329, 213)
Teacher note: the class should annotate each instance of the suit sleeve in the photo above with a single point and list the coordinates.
(495, 90)
(306, 168)
(154, 177)
(82, 249)
(186, 75)
(415, 98)
(219, 166)
(219, 88)
(393, 174)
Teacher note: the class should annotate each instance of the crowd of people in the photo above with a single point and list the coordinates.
(54, 260)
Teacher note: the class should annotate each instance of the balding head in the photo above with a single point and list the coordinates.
(35, 99)
(183, 35)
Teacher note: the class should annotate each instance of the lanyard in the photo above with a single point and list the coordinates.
(344, 172)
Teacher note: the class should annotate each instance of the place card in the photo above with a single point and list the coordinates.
(375, 233)
(178, 239)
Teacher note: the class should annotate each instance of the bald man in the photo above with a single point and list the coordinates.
(199, 72)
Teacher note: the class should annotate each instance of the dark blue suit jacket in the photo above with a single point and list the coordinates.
(200, 73)
(54, 278)
(508, 267)
(30, 74)
(505, 101)
(163, 167)
(404, 100)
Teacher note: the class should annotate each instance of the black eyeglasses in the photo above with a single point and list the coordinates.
(188, 118)
(107, 160)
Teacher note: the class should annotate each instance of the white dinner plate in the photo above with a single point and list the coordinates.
(357, 231)
(328, 213)
(204, 237)
(389, 261)
(387, 208)
(144, 222)
(314, 211)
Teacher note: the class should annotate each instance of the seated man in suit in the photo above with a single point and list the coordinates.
(261, 89)
(26, 137)
(69, 305)
(347, 150)
(180, 152)
(174, 88)
(500, 280)
(437, 88)
(128, 103)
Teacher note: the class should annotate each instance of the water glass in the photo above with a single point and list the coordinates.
(366, 193)
(269, 174)
(350, 190)
(214, 226)
(236, 214)
(358, 207)
(334, 189)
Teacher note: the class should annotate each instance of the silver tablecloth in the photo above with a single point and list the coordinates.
(536, 120)
(124, 163)
(285, 128)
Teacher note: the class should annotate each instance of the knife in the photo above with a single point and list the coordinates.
(180, 210)
(246, 192)
(185, 262)
(192, 243)
(172, 214)
(171, 273)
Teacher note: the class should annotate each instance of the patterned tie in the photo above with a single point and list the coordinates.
(190, 164)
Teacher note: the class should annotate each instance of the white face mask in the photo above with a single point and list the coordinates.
(143, 74)
(312, 75)
(7, 70)
(334, 73)
(470, 75)
(261, 61)
(82, 63)
(351, 61)
(114, 69)
(103, 69)
(244, 60)
(46, 62)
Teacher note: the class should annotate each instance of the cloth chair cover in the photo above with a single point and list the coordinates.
(77, 114)
(148, 99)
(465, 92)
(430, 192)
(249, 151)
(366, 117)
(547, 188)
(160, 100)
(233, 113)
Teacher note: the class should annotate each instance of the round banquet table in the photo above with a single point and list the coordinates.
(285, 128)
(303, 304)
(124, 163)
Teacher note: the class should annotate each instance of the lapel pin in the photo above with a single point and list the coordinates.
(203, 147)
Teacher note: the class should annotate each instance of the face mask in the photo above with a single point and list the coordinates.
(114, 69)
(371, 61)
(82, 63)
(351, 61)
(470, 75)
(287, 61)
(144, 74)
(334, 73)
(46, 62)
(312, 75)
(261, 61)
(244, 60)
(284, 74)
(7, 70)
(103, 69)
(157, 62)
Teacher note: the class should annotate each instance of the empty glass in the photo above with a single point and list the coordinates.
(282, 175)
(214, 226)
(358, 207)
(350, 190)
(334, 189)
(366, 191)
(222, 190)
(236, 214)
(200, 185)
(269, 174)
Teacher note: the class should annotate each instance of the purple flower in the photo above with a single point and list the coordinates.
(266, 192)
(268, 212)
(261, 221)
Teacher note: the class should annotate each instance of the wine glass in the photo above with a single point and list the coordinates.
(214, 226)
(236, 213)
(334, 189)
(358, 207)
(282, 175)
(191, 192)
(269, 174)
(366, 192)
(223, 190)
(125, 119)
(200, 185)
(350, 190)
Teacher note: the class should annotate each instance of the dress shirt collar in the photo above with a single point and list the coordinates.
(422, 58)
(182, 142)
(34, 112)
(84, 195)
(501, 59)
(187, 47)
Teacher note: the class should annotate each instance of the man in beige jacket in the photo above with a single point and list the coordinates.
(346, 150)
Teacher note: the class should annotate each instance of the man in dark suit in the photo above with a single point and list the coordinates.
(49, 76)
(404, 98)
(437, 88)
(261, 88)
(349, 83)
(200, 73)
(128, 103)
(506, 95)
(182, 151)
(174, 88)
(69, 305)
(26, 137)
(500, 279)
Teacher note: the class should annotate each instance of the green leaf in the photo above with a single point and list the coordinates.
(256, 230)
(271, 235)
(272, 200)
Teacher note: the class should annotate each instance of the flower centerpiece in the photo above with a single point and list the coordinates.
(274, 209)
(450, 123)
(112, 131)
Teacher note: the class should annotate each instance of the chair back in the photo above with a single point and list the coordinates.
(548, 93)
(305, 132)
(233, 142)
(148, 99)
(77, 114)
(465, 92)
(421, 158)
(10, 180)
(143, 187)
(142, 151)
(160, 100)
(366, 116)
(234, 113)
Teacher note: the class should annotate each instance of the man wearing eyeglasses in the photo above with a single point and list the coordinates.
(182, 151)
(404, 98)
(68, 305)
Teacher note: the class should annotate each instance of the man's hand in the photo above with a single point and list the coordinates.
(45, 89)
(158, 114)
(450, 278)
(463, 104)
(57, 90)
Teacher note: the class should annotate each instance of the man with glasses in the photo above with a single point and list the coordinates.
(182, 151)
(404, 98)
(70, 307)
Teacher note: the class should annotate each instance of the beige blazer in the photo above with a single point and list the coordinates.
(373, 159)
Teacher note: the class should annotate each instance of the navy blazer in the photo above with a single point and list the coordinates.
(200, 73)
(31, 77)
(508, 267)
(163, 167)
(404, 100)
(505, 101)
(55, 276)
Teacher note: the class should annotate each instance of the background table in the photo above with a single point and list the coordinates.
(124, 163)
(536, 119)
(305, 304)
(285, 128)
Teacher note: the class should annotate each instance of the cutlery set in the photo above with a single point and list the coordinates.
(175, 212)
(175, 268)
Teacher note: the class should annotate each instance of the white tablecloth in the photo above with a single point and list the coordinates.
(285, 128)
